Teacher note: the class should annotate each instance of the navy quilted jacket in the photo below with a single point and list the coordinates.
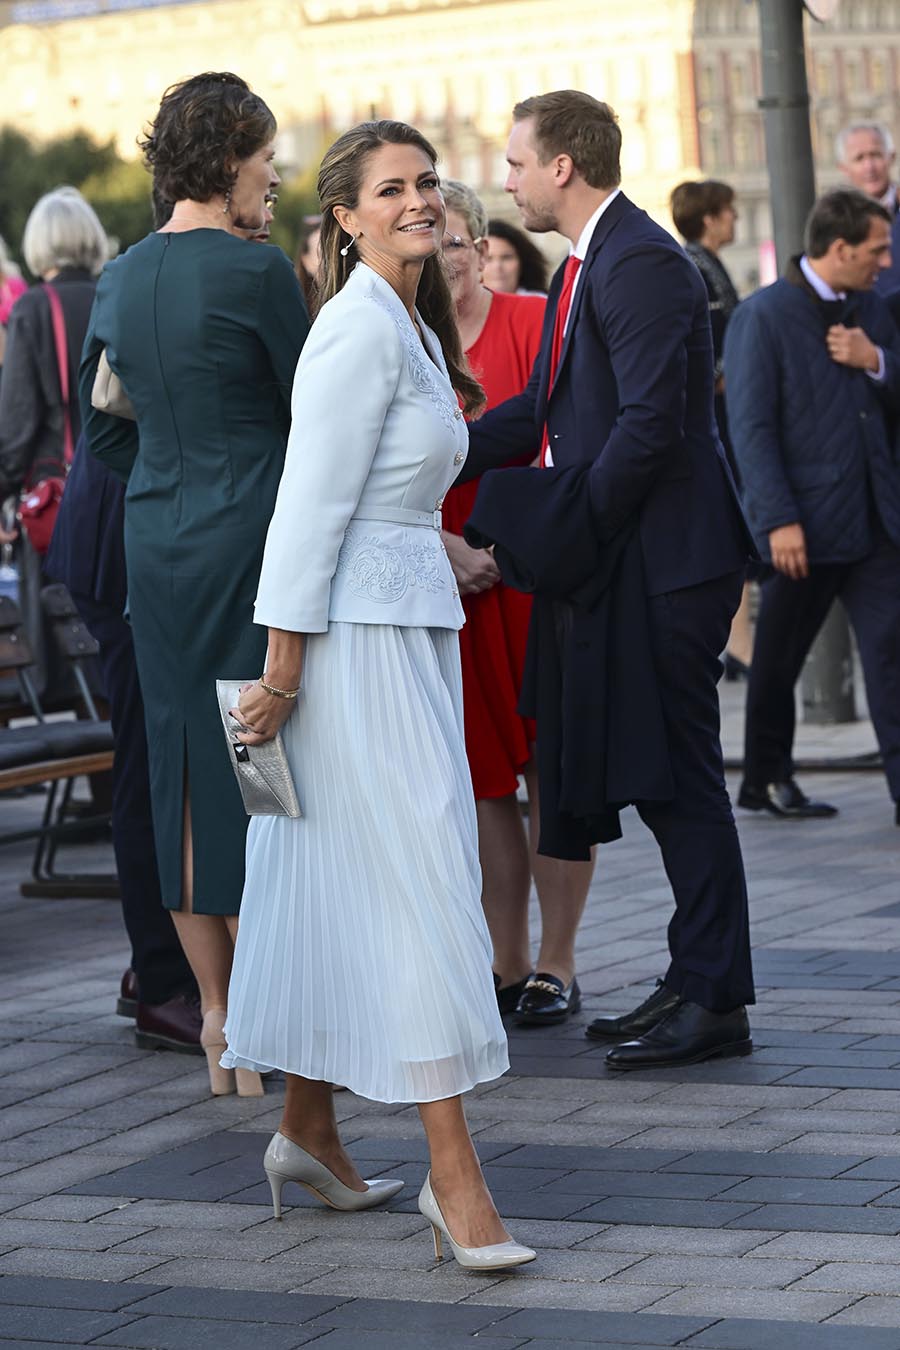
(815, 441)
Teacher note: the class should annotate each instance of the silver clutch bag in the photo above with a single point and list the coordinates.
(108, 394)
(262, 771)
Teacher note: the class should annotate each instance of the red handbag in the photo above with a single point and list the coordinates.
(39, 505)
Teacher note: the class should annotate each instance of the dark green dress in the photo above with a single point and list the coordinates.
(204, 331)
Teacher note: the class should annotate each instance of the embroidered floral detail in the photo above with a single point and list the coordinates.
(418, 368)
(384, 572)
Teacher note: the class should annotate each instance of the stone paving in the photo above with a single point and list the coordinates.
(733, 1206)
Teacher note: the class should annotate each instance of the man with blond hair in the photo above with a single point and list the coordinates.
(639, 490)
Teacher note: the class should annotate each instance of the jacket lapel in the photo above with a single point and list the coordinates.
(605, 225)
(547, 342)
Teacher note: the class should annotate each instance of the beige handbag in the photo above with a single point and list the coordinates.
(108, 394)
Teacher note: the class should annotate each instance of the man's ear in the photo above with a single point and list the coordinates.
(563, 170)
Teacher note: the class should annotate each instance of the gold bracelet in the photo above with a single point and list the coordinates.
(279, 693)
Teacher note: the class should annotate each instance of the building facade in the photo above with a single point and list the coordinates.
(683, 75)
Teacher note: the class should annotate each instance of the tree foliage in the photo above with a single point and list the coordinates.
(29, 169)
(118, 189)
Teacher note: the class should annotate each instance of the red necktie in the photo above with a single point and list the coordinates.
(563, 306)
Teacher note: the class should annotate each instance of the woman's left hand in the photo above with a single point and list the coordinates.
(261, 714)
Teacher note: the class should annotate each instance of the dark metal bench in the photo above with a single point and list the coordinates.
(55, 753)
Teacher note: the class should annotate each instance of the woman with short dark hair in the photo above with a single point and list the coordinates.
(204, 334)
(514, 264)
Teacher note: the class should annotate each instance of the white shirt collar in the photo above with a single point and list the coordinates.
(821, 288)
(889, 199)
(584, 239)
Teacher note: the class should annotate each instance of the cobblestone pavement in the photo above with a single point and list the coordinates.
(751, 1203)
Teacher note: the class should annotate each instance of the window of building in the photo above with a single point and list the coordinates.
(878, 73)
(708, 81)
(823, 75)
(853, 81)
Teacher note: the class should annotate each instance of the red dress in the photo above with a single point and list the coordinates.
(492, 643)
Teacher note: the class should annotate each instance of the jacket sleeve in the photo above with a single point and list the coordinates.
(114, 440)
(884, 333)
(22, 404)
(346, 380)
(752, 384)
(506, 433)
(646, 310)
(282, 320)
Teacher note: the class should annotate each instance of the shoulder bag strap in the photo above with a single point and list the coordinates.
(62, 365)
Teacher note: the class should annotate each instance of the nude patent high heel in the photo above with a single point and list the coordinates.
(212, 1038)
(287, 1161)
(496, 1256)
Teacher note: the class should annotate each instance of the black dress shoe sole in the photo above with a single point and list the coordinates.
(127, 1007)
(151, 1040)
(733, 1050)
(548, 1019)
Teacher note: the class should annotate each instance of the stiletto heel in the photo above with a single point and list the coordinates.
(212, 1038)
(438, 1243)
(276, 1183)
(287, 1161)
(496, 1256)
(249, 1083)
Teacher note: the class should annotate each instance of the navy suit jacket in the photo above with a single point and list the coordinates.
(815, 441)
(633, 398)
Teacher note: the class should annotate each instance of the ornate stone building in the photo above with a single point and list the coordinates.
(854, 72)
(683, 75)
(454, 66)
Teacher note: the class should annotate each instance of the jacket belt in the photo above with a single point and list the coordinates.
(399, 515)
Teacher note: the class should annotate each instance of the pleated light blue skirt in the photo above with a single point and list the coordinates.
(363, 957)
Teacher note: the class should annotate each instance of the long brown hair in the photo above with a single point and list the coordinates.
(340, 177)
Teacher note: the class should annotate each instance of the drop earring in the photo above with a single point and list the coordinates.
(227, 207)
(347, 247)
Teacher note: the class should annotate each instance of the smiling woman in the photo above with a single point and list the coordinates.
(363, 957)
(375, 178)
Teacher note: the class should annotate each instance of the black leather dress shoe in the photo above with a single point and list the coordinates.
(547, 1000)
(783, 799)
(127, 1002)
(508, 995)
(653, 1009)
(173, 1025)
(688, 1035)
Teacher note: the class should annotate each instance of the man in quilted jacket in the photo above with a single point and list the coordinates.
(812, 368)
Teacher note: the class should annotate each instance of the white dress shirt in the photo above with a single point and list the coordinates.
(584, 241)
(580, 251)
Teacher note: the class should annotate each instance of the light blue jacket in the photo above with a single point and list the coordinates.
(377, 438)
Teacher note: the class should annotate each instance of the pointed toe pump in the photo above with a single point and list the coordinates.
(496, 1256)
(287, 1161)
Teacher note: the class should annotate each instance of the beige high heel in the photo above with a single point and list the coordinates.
(249, 1083)
(212, 1038)
(286, 1161)
(496, 1256)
